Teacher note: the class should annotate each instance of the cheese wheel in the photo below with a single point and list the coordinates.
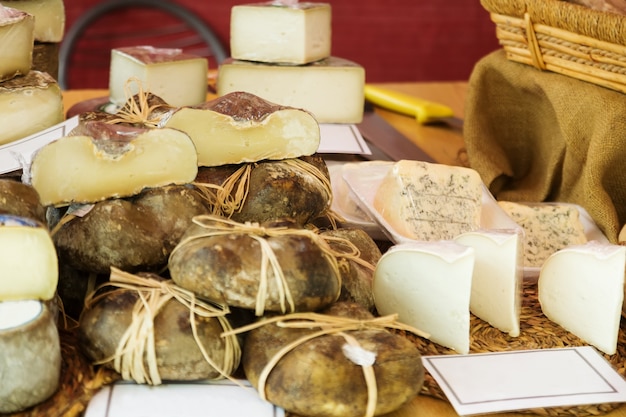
(16, 42)
(428, 284)
(49, 17)
(581, 288)
(30, 363)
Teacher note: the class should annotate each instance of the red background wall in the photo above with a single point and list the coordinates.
(395, 40)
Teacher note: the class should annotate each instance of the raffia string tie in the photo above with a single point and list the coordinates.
(228, 198)
(137, 109)
(533, 43)
(333, 326)
(137, 345)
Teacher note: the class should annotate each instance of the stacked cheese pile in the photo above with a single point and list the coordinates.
(282, 53)
(30, 100)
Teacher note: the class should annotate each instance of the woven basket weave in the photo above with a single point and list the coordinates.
(536, 332)
(564, 38)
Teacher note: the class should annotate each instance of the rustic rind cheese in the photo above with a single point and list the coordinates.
(547, 227)
(428, 284)
(83, 169)
(30, 363)
(427, 201)
(16, 42)
(177, 77)
(497, 279)
(241, 127)
(331, 89)
(581, 288)
(28, 260)
(29, 104)
(280, 33)
(49, 17)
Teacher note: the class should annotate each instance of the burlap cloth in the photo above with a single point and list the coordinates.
(540, 136)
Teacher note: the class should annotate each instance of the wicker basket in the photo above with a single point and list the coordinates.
(564, 38)
(536, 332)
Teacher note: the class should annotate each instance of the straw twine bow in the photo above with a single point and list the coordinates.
(137, 345)
(330, 325)
(269, 264)
(137, 110)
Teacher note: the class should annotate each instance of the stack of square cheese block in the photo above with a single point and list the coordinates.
(282, 53)
(435, 281)
(30, 99)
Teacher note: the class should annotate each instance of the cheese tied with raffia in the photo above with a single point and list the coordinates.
(427, 201)
(281, 33)
(16, 42)
(547, 228)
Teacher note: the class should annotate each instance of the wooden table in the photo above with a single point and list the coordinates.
(445, 146)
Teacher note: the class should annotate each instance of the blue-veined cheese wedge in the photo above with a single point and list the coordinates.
(272, 32)
(28, 260)
(30, 363)
(497, 278)
(581, 288)
(16, 42)
(428, 284)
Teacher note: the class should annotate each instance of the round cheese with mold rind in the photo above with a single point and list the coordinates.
(28, 260)
(30, 354)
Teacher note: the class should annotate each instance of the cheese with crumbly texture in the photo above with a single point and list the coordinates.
(49, 17)
(581, 288)
(428, 284)
(177, 77)
(547, 227)
(29, 104)
(16, 42)
(427, 201)
(332, 88)
(280, 33)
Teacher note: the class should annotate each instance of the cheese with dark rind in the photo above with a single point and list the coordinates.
(272, 32)
(30, 363)
(85, 169)
(20, 199)
(241, 127)
(29, 104)
(20, 278)
(178, 78)
(16, 42)
(332, 89)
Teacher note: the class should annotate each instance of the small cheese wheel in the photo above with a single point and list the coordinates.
(30, 363)
(16, 42)
(428, 284)
(28, 260)
(581, 288)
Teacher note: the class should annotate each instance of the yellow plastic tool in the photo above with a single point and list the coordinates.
(424, 111)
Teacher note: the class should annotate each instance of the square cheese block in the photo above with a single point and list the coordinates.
(179, 78)
(581, 288)
(281, 33)
(49, 17)
(16, 42)
(29, 104)
(331, 89)
(429, 201)
(497, 279)
(428, 284)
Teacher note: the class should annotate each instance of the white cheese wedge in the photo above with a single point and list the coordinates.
(240, 127)
(280, 33)
(497, 279)
(28, 260)
(548, 227)
(29, 104)
(428, 201)
(581, 288)
(49, 17)
(177, 77)
(428, 284)
(331, 89)
(30, 363)
(81, 169)
(16, 42)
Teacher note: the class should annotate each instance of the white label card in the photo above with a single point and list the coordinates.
(520, 380)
